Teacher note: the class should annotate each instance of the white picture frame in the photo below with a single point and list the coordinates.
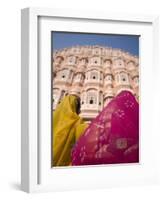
(36, 172)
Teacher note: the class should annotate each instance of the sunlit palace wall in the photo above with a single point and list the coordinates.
(96, 74)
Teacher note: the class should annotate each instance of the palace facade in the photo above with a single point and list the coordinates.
(94, 73)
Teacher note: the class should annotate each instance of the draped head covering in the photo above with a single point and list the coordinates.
(113, 136)
(67, 128)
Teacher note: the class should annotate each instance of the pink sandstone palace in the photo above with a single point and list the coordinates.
(94, 73)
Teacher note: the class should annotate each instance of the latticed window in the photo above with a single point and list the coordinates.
(124, 77)
(91, 97)
(71, 60)
(119, 63)
(94, 75)
(101, 99)
(64, 74)
(108, 77)
(83, 95)
(107, 63)
(95, 60)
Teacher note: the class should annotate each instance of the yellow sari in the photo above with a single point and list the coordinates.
(67, 128)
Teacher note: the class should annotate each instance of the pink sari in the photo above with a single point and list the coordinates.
(113, 136)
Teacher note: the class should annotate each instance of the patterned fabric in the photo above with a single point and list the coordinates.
(113, 136)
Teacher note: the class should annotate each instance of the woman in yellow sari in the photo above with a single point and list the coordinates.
(67, 128)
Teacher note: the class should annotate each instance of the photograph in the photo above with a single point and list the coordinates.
(94, 99)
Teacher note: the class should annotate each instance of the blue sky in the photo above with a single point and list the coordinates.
(129, 43)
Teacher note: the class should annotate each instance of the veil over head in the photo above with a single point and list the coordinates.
(67, 128)
(113, 136)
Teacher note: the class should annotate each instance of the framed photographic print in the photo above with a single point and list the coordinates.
(89, 86)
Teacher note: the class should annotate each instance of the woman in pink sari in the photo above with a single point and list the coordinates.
(113, 136)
